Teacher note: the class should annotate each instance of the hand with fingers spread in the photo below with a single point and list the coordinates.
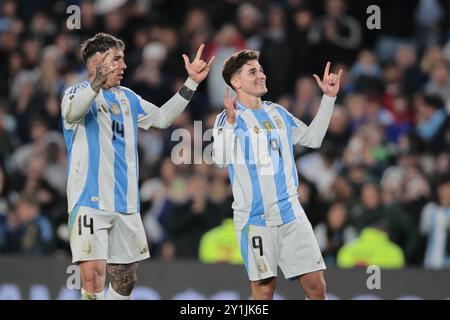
(230, 107)
(103, 68)
(197, 69)
(330, 82)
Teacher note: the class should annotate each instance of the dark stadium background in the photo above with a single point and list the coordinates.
(384, 163)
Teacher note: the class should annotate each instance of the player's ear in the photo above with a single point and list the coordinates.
(235, 83)
(92, 61)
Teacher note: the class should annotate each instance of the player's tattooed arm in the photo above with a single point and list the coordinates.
(123, 277)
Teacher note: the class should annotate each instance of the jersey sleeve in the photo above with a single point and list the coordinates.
(164, 116)
(76, 102)
(67, 97)
(147, 112)
(312, 136)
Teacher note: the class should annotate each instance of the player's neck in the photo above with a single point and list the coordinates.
(250, 102)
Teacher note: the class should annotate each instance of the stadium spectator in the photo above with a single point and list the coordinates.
(432, 125)
(334, 233)
(26, 230)
(435, 225)
(372, 247)
(397, 223)
(191, 220)
(336, 35)
(219, 245)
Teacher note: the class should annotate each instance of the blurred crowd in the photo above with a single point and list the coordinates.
(376, 192)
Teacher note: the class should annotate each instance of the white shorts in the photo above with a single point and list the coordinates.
(103, 235)
(291, 246)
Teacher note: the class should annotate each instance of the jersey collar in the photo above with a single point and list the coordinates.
(241, 107)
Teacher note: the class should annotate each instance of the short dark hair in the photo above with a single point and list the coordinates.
(101, 42)
(29, 199)
(434, 101)
(234, 63)
(443, 179)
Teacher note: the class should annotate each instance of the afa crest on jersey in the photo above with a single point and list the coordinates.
(115, 109)
(267, 125)
(278, 122)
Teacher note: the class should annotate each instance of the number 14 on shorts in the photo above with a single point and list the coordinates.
(84, 219)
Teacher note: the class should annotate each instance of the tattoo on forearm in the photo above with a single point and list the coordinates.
(123, 277)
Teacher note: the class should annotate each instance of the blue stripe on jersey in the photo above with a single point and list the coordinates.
(92, 133)
(120, 163)
(286, 116)
(231, 173)
(256, 215)
(68, 138)
(135, 105)
(136, 109)
(222, 118)
(289, 122)
(285, 207)
(244, 245)
(239, 106)
(72, 217)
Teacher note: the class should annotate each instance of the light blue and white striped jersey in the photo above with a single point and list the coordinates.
(102, 151)
(260, 157)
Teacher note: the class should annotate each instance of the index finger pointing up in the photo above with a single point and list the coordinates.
(227, 94)
(199, 52)
(327, 70)
(104, 55)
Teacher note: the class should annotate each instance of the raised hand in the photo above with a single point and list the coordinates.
(330, 82)
(197, 69)
(230, 107)
(102, 69)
